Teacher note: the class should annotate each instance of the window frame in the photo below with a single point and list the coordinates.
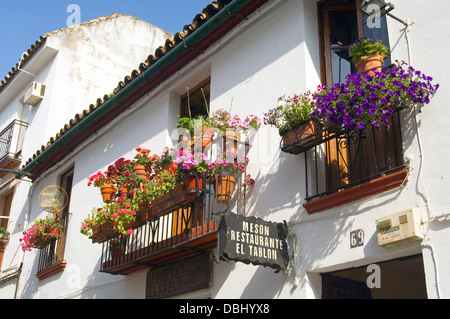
(51, 256)
(324, 7)
(196, 92)
(372, 184)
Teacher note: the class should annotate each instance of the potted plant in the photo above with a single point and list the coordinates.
(370, 100)
(368, 55)
(160, 188)
(143, 162)
(123, 175)
(102, 180)
(42, 232)
(192, 168)
(165, 161)
(293, 119)
(232, 125)
(117, 246)
(110, 220)
(4, 236)
(200, 128)
(224, 174)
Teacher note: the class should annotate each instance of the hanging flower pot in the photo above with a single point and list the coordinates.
(190, 182)
(230, 143)
(223, 187)
(207, 136)
(108, 192)
(142, 171)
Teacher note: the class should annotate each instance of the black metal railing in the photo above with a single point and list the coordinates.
(183, 224)
(53, 252)
(11, 139)
(344, 159)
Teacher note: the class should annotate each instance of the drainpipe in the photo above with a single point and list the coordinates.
(221, 17)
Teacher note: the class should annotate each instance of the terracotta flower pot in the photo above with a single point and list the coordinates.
(370, 64)
(224, 187)
(108, 192)
(142, 171)
(191, 184)
(230, 143)
(207, 137)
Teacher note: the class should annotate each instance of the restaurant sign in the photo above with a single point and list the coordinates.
(253, 241)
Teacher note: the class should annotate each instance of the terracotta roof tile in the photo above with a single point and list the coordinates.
(207, 13)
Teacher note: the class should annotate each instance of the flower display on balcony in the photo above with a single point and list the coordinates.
(99, 179)
(225, 121)
(40, 233)
(189, 163)
(370, 100)
(119, 213)
(290, 112)
(361, 101)
(137, 198)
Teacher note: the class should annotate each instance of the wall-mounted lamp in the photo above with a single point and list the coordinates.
(370, 7)
(378, 8)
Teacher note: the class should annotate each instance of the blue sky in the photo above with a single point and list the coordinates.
(23, 22)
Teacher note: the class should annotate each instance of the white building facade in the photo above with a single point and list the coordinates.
(245, 55)
(66, 70)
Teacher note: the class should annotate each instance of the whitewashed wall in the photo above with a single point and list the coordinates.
(276, 56)
(87, 62)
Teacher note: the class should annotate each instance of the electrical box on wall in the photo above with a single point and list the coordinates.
(34, 94)
(399, 228)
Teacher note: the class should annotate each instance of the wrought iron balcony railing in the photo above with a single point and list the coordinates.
(11, 140)
(183, 224)
(342, 159)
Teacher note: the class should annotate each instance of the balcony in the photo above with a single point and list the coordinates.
(51, 254)
(11, 139)
(342, 166)
(183, 223)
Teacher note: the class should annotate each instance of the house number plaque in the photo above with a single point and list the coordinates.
(356, 238)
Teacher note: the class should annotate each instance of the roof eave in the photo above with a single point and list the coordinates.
(192, 46)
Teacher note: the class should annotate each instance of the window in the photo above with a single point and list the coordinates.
(4, 221)
(196, 101)
(341, 24)
(345, 160)
(51, 257)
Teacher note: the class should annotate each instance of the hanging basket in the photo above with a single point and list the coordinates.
(117, 247)
(4, 239)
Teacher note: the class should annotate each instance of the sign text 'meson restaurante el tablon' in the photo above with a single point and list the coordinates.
(253, 241)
